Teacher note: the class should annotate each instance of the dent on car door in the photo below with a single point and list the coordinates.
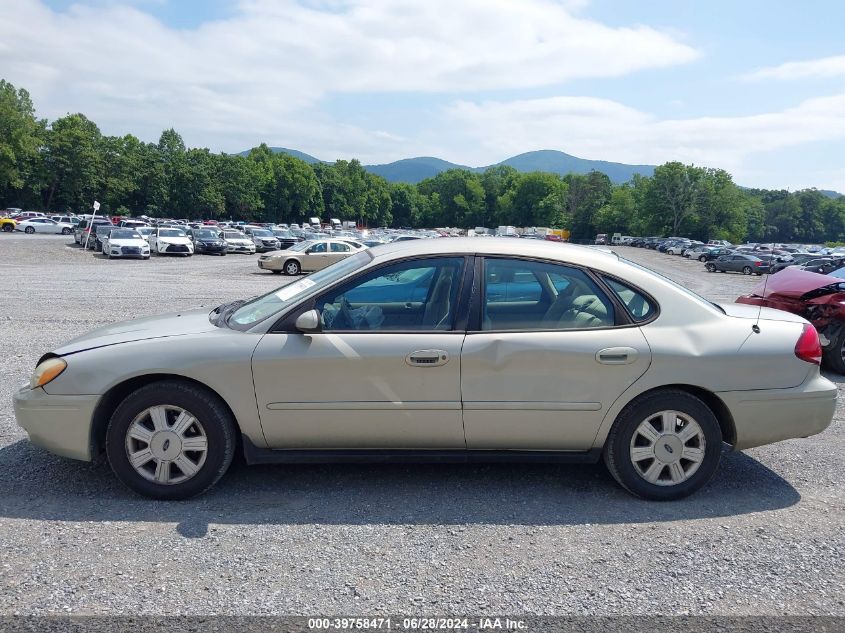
(545, 381)
(384, 372)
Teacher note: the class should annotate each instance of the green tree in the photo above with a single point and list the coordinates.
(73, 164)
(21, 137)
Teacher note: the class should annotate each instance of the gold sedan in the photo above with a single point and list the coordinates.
(307, 256)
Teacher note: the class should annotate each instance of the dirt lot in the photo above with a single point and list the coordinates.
(767, 536)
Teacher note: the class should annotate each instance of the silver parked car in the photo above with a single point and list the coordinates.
(460, 349)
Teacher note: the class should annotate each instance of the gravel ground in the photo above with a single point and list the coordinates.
(767, 536)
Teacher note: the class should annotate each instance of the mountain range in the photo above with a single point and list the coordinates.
(414, 170)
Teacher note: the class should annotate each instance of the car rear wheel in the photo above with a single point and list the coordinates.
(292, 267)
(29, 230)
(65, 231)
(834, 354)
(702, 259)
(171, 440)
(746, 270)
(664, 446)
(710, 268)
(8, 228)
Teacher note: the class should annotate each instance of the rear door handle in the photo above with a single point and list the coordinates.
(427, 358)
(617, 355)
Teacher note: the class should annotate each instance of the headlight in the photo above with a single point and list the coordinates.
(47, 371)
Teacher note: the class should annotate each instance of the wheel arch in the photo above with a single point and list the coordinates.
(713, 402)
(117, 393)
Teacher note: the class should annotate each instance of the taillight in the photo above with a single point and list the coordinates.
(808, 348)
(757, 263)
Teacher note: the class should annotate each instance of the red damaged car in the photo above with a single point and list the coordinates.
(818, 298)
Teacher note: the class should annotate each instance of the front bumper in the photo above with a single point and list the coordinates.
(771, 415)
(210, 248)
(239, 248)
(61, 424)
(269, 264)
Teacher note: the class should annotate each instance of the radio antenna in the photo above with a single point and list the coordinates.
(756, 326)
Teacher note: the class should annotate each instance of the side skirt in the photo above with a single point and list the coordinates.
(256, 455)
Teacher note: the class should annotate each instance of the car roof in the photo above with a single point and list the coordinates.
(542, 249)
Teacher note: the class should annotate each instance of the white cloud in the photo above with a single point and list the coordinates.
(824, 67)
(604, 129)
(264, 72)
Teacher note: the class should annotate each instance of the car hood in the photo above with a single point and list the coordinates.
(174, 240)
(128, 242)
(166, 325)
(793, 282)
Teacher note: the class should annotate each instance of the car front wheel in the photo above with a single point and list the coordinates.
(171, 440)
(746, 270)
(702, 259)
(292, 267)
(664, 446)
(710, 268)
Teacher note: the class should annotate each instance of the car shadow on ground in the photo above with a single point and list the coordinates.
(38, 485)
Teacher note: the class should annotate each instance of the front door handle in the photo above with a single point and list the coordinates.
(427, 358)
(617, 355)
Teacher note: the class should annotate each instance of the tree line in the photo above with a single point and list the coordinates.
(67, 164)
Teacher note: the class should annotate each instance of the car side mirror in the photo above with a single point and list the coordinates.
(309, 322)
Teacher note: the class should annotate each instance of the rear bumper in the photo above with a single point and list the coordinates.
(61, 424)
(767, 416)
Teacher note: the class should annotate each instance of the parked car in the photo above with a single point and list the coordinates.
(65, 219)
(44, 225)
(715, 253)
(306, 256)
(80, 233)
(795, 259)
(818, 298)
(171, 241)
(263, 239)
(145, 232)
(208, 240)
(285, 238)
(823, 265)
(745, 264)
(124, 242)
(664, 377)
(99, 233)
(237, 242)
(7, 225)
(601, 239)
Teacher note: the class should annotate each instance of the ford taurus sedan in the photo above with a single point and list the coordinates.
(453, 349)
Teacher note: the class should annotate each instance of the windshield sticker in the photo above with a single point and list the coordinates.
(294, 289)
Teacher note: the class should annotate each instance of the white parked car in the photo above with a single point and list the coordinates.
(171, 241)
(145, 232)
(125, 243)
(44, 225)
(237, 242)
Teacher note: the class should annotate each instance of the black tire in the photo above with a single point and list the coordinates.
(617, 446)
(147, 257)
(710, 268)
(8, 228)
(29, 230)
(832, 354)
(746, 270)
(292, 267)
(702, 259)
(209, 410)
(65, 231)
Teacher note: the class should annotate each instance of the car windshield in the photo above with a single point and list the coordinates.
(259, 309)
(282, 233)
(124, 235)
(262, 233)
(234, 235)
(206, 234)
(171, 233)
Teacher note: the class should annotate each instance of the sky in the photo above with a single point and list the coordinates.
(756, 87)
